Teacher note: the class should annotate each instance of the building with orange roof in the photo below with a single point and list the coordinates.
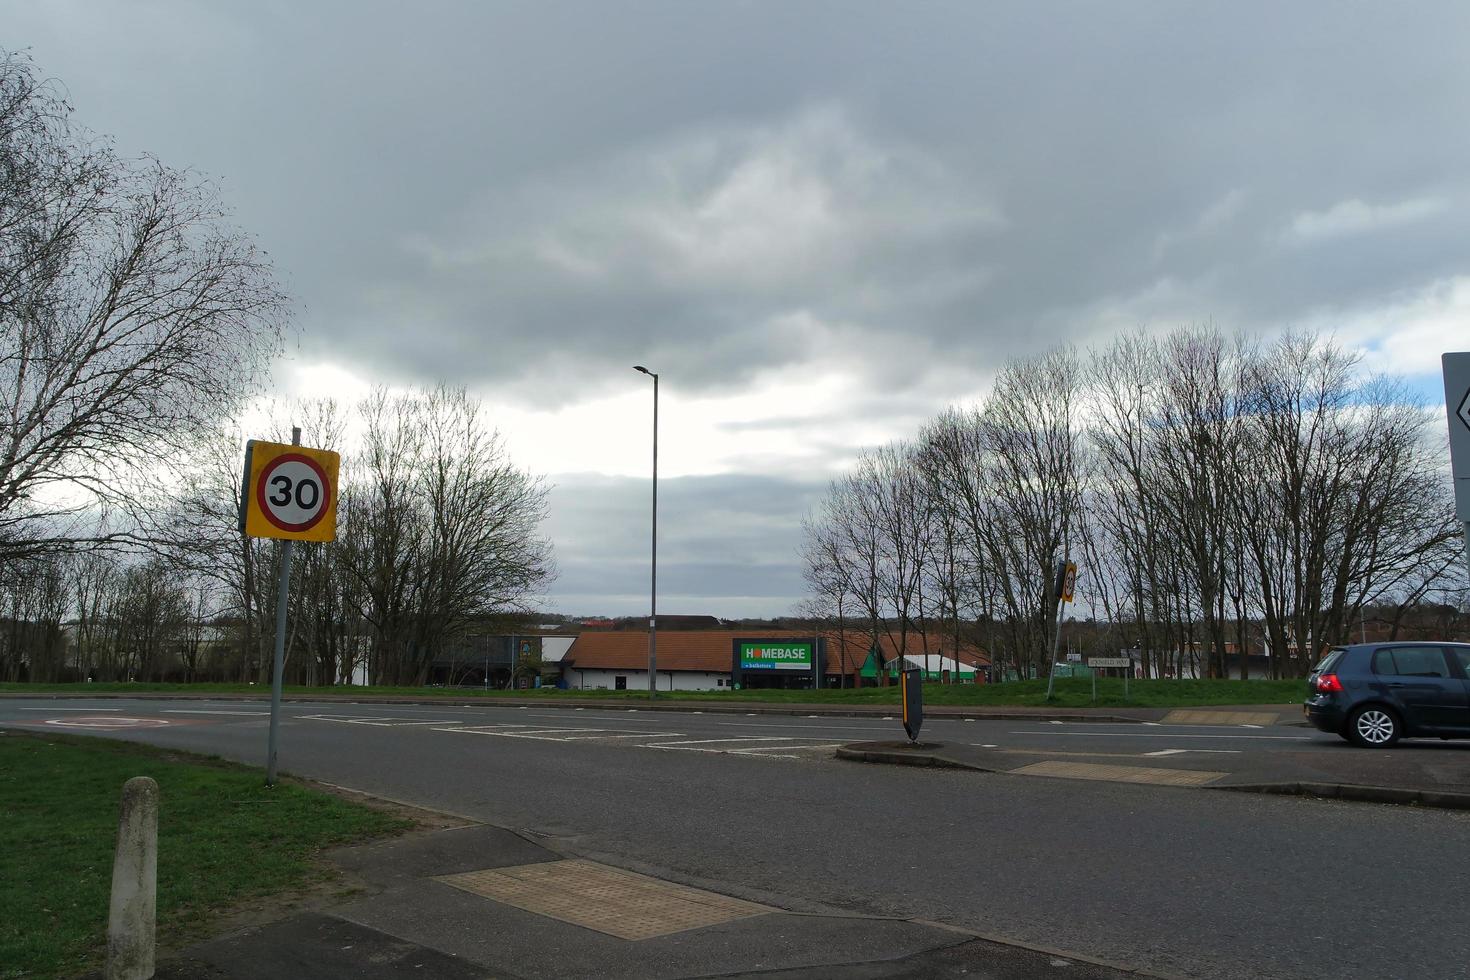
(713, 660)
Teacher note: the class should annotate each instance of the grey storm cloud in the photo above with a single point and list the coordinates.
(520, 193)
(529, 198)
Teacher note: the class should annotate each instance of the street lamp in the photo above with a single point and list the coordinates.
(653, 551)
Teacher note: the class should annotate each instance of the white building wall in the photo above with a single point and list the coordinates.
(553, 648)
(677, 680)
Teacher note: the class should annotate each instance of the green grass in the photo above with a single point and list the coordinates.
(1070, 692)
(223, 837)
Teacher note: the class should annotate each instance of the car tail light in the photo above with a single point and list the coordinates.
(1329, 684)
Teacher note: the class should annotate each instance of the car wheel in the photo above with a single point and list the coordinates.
(1373, 727)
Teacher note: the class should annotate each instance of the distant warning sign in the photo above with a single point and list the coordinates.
(289, 492)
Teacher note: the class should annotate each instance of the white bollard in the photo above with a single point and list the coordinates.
(130, 920)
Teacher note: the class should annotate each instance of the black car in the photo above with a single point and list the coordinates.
(1373, 694)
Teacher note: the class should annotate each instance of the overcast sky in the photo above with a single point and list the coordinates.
(819, 222)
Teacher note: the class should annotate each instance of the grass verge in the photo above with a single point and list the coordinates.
(1070, 692)
(223, 838)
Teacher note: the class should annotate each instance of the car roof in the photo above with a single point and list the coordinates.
(1403, 643)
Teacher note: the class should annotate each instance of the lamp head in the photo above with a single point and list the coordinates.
(643, 370)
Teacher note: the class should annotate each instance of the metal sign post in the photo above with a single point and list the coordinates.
(1103, 663)
(1457, 408)
(278, 662)
(290, 494)
(1065, 582)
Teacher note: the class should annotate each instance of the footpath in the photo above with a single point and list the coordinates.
(477, 901)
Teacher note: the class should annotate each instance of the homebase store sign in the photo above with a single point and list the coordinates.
(776, 656)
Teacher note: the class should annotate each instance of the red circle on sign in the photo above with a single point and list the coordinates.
(270, 515)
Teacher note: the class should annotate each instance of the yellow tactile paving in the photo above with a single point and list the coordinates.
(1191, 717)
(607, 900)
(1119, 774)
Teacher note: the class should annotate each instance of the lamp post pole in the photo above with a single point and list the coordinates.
(653, 551)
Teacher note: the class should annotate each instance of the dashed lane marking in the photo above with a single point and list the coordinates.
(191, 711)
(559, 735)
(1176, 735)
(378, 721)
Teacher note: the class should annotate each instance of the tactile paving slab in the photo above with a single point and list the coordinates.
(1119, 774)
(605, 899)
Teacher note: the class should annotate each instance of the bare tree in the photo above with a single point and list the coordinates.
(131, 316)
(441, 528)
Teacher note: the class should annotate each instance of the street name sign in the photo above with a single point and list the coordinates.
(289, 492)
(1108, 662)
(1457, 407)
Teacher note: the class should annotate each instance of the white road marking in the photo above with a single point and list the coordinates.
(1182, 751)
(580, 738)
(482, 731)
(745, 738)
(1269, 738)
(779, 750)
(759, 749)
(114, 723)
(559, 734)
(191, 711)
(378, 721)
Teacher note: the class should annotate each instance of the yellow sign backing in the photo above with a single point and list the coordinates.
(289, 492)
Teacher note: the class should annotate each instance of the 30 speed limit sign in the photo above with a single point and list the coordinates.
(289, 492)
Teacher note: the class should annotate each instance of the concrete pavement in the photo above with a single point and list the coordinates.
(414, 921)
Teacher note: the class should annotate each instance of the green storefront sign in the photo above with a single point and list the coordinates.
(776, 655)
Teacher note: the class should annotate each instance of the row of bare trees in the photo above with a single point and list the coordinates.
(100, 616)
(1219, 496)
(135, 324)
(438, 531)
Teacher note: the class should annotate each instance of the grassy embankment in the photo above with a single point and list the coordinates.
(223, 838)
(1070, 692)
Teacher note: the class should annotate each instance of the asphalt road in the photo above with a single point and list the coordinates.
(1179, 881)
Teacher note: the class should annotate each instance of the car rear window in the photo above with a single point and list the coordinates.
(1411, 662)
(1329, 661)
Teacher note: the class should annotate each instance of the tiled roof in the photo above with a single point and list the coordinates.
(707, 650)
